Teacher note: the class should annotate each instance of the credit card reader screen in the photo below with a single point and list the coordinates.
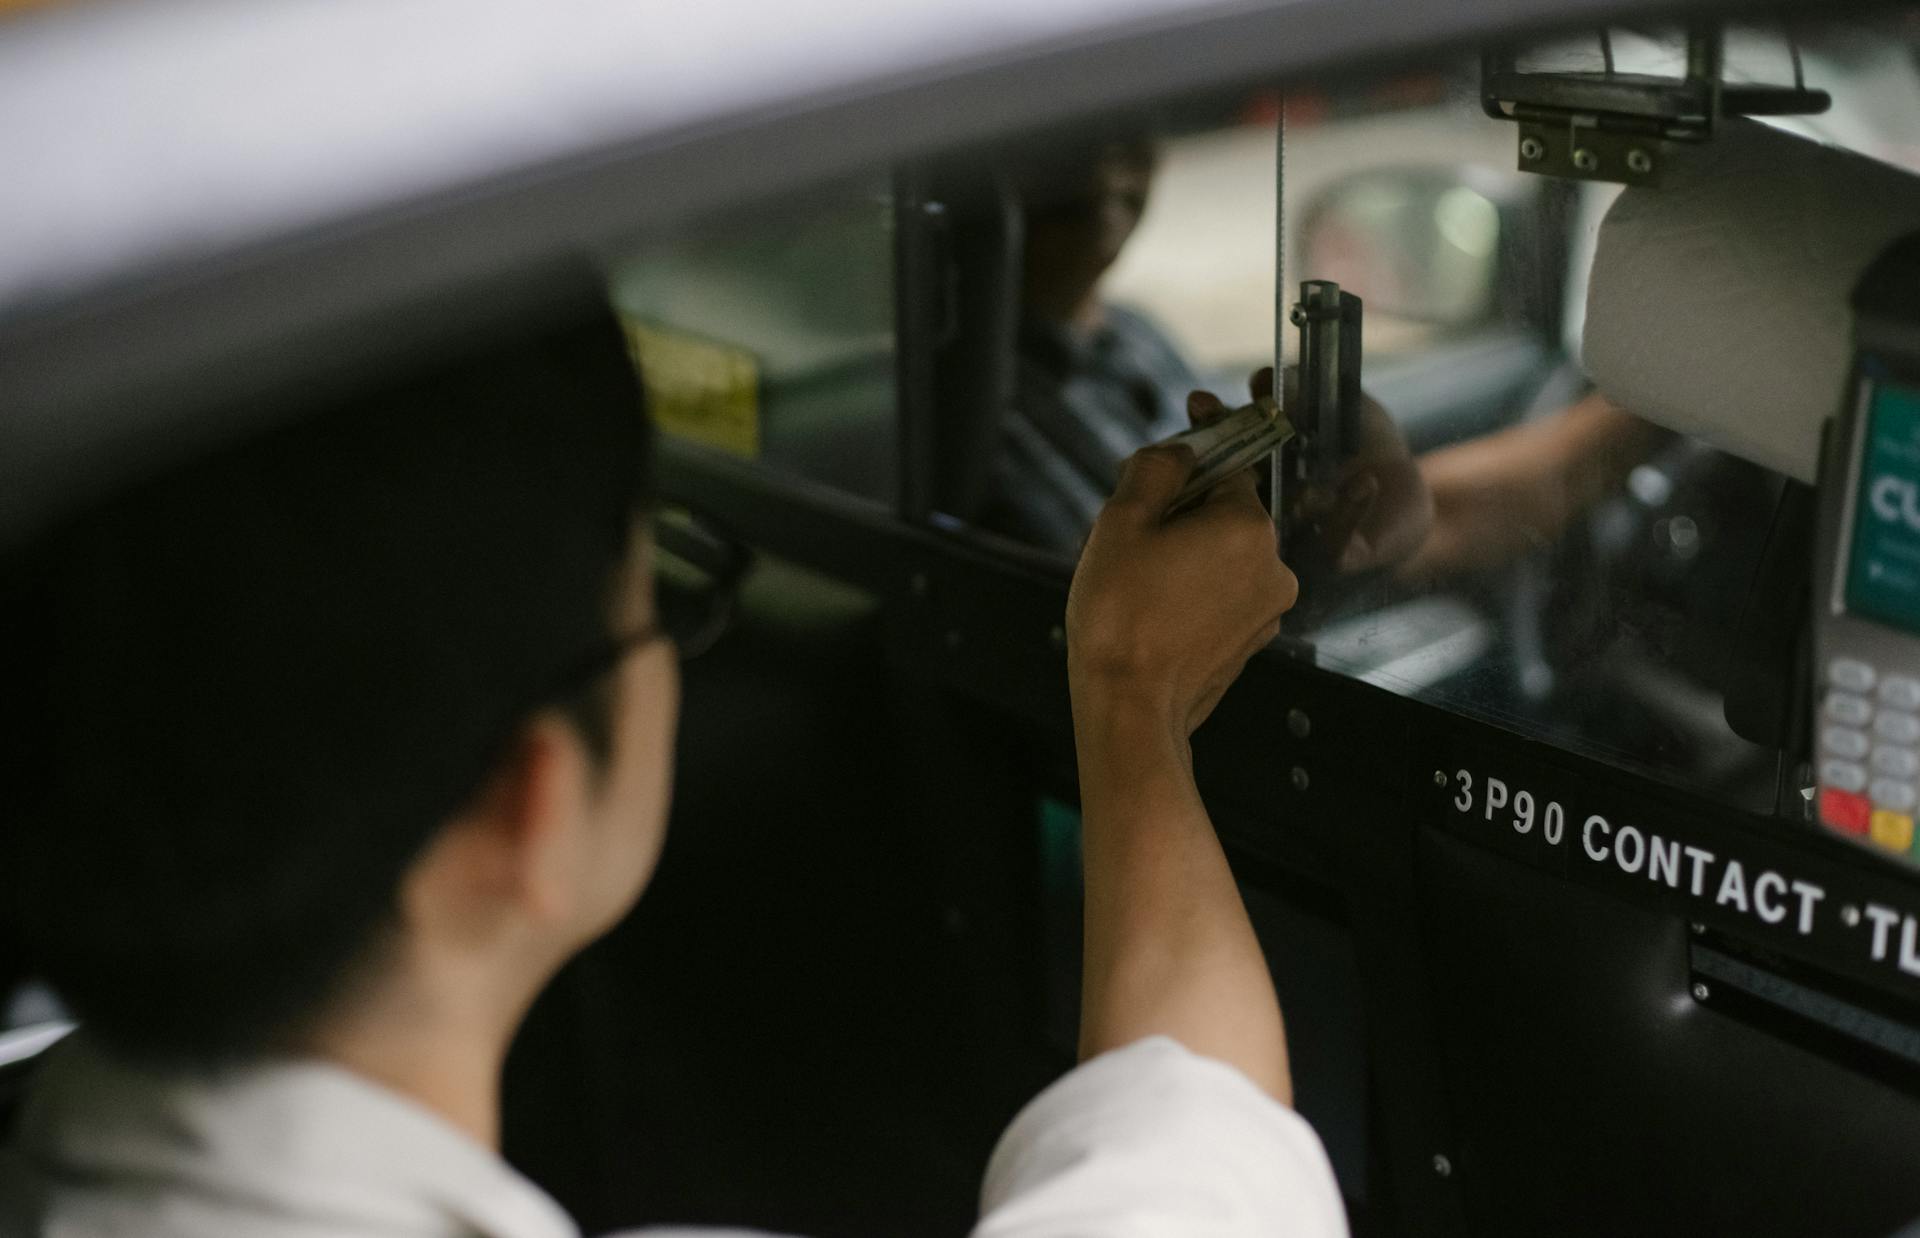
(1866, 734)
(1883, 562)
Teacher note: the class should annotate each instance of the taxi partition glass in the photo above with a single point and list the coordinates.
(1561, 566)
(770, 337)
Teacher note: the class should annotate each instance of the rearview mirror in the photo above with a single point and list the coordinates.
(1421, 244)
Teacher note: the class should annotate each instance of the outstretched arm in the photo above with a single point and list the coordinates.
(1171, 1127)
(1163, 614)
(1516, 491)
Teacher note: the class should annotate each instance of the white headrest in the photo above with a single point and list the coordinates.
(1718, 302)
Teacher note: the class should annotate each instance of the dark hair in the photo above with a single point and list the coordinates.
(1061, 176)
(251, 691)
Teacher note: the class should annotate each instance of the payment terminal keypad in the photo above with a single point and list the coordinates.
(1868, 755)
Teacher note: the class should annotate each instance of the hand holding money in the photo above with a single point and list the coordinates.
(1167, 607)
(1228, 442)
(1377, 513)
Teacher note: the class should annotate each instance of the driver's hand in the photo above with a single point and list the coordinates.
(1166, 610)
(1516, 491)
(1381, 510)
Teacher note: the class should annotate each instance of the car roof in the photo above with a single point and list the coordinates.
(207, 199)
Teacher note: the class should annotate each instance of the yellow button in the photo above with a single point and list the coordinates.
(1892, 830)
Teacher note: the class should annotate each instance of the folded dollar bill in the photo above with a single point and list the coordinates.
(1229, 443)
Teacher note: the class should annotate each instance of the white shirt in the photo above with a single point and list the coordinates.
(1149, 1139)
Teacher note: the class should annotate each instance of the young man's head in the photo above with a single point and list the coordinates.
(1082, 207)
(364, 710)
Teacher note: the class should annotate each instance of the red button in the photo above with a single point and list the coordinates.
(1845, 811)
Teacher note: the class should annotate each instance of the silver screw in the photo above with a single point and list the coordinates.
(1585, 159)
(1440, 778)
(1299, 778)
(1532, 149)
(1442, 1166)
(1850, 916)
(1697, 928)
(1639, 161)
(1297, 315)
(1700, 991)
(1298, 724)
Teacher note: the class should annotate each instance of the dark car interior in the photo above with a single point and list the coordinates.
(860, 955)
(886, 908)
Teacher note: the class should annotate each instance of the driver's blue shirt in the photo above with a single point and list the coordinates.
(1083, 402)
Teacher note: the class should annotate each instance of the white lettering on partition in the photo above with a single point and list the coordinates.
(1733, 887)
(1809, 895)
(1767, 887)
(1586, 837)
(1701, 857)
(1629, 842)
(1556, 824)
(1663, 856)
(1909, 956)
(1771, 896)
(1883, 918)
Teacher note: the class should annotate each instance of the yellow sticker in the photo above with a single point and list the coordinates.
(1892, 830)
(699, 389)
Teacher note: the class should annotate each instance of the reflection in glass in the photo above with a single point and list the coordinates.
(1095, 381)
(771, 338)
(1579, 575)
(1417, 243)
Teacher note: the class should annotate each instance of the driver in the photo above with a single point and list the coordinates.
(1098, 381)
(329, 749)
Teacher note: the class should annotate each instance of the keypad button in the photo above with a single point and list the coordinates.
(1897, 728)
(1844, 811)
(1844, 775)
(1892, 830)
(1900, 692)
(1892, 793)
(1850, 674)
(1845, 742)
(1896, 762)
(1848, 709)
